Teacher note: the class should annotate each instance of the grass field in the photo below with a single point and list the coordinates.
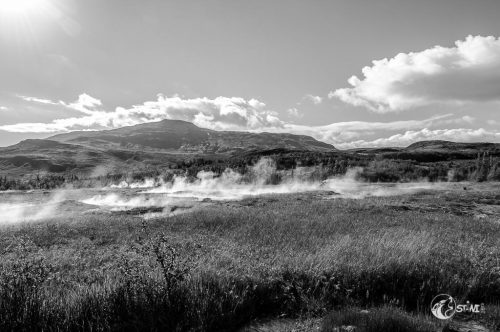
(303, 260)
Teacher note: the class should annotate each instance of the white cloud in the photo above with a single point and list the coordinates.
(466, 119)
(221, 113)
(409, 137)
(85, 104)
(468, 72)
(38, 100)
(293, 112)
(316, 100)
(469, 119)
(4, 108)
(345, 132)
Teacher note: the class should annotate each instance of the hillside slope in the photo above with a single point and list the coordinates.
(434, 151)
(47, 156)
(185, 137)
(141, 146)
(447, 146)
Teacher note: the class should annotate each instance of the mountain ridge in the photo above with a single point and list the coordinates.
(182, 136)
(170, 142)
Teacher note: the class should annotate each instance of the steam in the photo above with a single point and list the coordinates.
(231, 185)
(19, 211)
(117, 202)
(157, 197)
(147, 183)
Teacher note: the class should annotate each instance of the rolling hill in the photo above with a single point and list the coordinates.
(433, 151)
(150, 144)
(184, 137)
(447, 146)
(170, 142)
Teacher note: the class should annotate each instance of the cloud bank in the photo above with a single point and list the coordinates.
(468, 72)
(221, 113)
(412, 136)
(342, 134)
(233, 113)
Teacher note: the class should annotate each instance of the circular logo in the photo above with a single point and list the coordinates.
(443, 306)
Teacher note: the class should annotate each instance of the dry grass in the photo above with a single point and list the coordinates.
(292, 256)
(385, 319)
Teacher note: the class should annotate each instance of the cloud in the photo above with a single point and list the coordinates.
(409, 137)
(234, 113)
(4, 108)
(38, 100)
(468, 119)
(85, 104)
(221, 113)
(467, 72)
(316, 100)
(344, 132)
(293, 112)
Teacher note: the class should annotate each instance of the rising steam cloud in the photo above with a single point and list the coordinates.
(262, 179)
(186, 192)
(18, 210)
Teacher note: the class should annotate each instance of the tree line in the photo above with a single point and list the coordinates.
(373, 168)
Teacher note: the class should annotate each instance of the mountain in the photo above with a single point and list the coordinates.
(171, 143)
(151, 144)
(46, 156)
(434, 151)
(447, 146)
(184, 137)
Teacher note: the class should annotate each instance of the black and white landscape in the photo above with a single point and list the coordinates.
(249, 165)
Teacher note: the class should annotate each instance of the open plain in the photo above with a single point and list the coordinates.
(312, 260)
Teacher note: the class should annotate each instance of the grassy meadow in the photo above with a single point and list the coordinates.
(288, 262)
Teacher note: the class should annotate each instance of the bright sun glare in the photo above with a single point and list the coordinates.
(20, 7)
(25, 21)
(22, 20)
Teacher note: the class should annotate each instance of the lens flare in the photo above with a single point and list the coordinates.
(26, 22)
(20, 7)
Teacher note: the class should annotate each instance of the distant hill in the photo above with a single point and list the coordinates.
(374, 150)
(434, 151)
(453, 146)
(185, 137)
(435, 146)
(38, 155)
(140, 146)
(172, 142)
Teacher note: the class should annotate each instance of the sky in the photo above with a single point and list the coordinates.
(353, 73)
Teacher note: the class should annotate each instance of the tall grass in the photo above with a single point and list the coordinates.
(387, 319)
(217, 268)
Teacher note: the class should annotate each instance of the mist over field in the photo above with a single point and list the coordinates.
(263, 178)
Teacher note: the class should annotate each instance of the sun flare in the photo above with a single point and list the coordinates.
(20, 7)
(24, 21)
